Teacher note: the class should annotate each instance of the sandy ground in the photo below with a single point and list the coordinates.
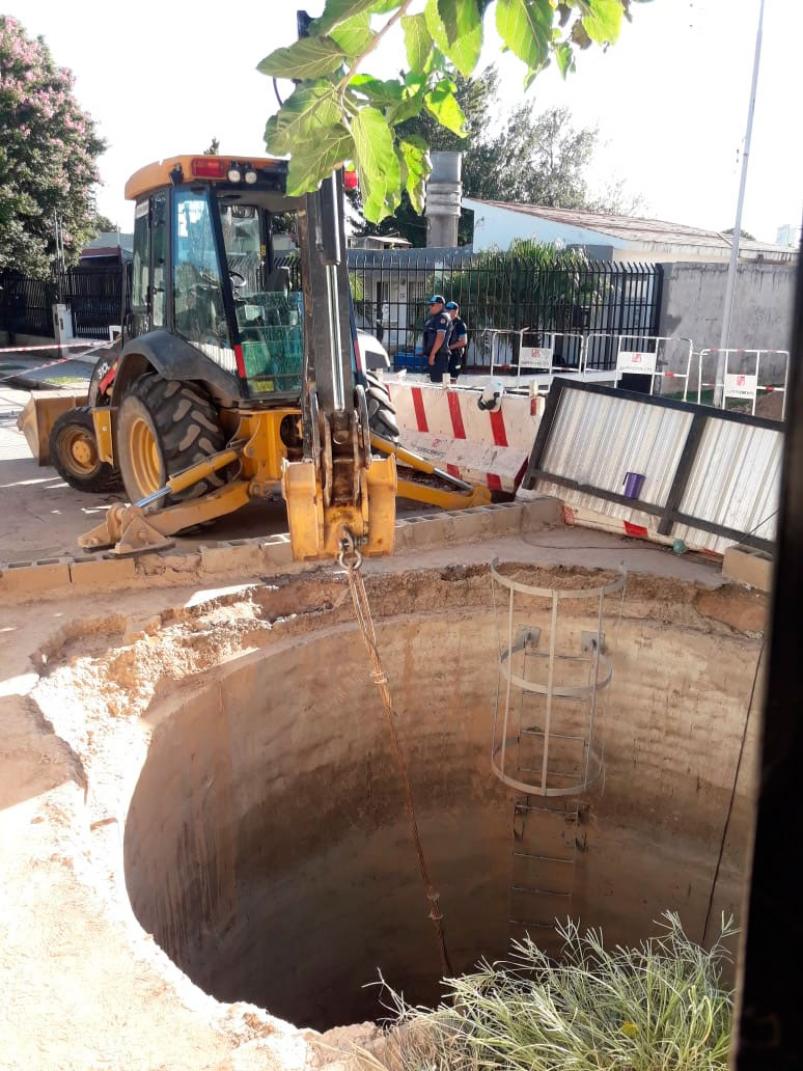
(41, 516)
(81, 986)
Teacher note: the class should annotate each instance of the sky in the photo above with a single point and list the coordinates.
(670, 98)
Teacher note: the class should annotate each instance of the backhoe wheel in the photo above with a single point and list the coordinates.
(164, 426)
(381, 413)
(74, 454)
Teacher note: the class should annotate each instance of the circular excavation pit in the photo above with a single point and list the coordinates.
(267, 847)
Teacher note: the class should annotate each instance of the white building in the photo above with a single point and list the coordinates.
(606, 237)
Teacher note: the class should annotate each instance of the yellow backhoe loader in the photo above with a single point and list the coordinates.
(234, 375)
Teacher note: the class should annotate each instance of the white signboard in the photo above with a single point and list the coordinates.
(740, 386)
(636, 361)
(536, 356)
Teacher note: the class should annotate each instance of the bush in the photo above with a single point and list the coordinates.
(658, 1007)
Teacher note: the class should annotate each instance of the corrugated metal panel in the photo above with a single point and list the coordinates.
(735, 482)
(597, 438)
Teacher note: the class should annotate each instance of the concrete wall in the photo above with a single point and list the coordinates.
(694, 296)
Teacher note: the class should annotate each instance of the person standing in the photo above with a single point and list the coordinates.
(437, 332)
(458, 341)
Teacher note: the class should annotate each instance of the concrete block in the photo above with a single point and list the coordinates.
(540, 512)
(504, 521)
(431, 531)
(276, 552)
(471, 524)
(36, 577)
(97, 573)
(748, 566)
(232, 556)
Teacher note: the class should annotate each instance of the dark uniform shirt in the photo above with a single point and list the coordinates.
(459, 330)
(440, 321)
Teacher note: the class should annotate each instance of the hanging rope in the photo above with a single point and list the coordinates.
(351, 560)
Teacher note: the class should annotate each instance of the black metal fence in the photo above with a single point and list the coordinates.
(26, 304)
(498, 292)
(559, 306)
(94, 295)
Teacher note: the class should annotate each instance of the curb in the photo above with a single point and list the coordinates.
(55, 577)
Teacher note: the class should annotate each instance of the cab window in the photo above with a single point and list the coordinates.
(199, 312)
(268, 308)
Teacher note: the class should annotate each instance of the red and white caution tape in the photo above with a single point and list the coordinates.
(50, 364)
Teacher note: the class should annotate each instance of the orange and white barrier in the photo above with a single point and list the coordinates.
(446, 426)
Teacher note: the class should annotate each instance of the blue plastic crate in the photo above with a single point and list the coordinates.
(409, 359)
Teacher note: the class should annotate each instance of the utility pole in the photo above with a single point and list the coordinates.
(737, 229)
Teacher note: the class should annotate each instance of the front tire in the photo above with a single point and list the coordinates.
(381, 411)
(74, 454)
(164, 426)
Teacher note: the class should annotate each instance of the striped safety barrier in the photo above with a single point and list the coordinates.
(447, 426)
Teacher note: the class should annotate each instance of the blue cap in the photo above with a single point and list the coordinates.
(452, 305)
(436, 298)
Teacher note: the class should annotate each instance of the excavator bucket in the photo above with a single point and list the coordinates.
(38, 417)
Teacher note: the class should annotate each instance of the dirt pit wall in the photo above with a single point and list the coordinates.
(266, 847)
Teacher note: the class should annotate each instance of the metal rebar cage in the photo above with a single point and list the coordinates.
(549, 677)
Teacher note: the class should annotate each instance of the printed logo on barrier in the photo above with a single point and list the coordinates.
(739, 385)
(636, 361)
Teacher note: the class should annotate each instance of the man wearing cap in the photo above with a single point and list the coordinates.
(437, 331)
(458, 340)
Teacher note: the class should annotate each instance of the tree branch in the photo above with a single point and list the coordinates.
(344, 81)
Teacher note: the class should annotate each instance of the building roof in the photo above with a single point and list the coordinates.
(109, 244)
(645, 233)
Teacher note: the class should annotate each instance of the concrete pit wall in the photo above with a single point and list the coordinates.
(266, 847)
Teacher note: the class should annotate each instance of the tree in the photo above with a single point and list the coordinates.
(742, 234)
(538, 159)
(543, 159)
(48, 149)
(103, 225)
(336, 113)
(476, 97)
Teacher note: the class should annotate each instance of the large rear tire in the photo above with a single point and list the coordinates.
(381, 412)
(164, 426)
(74, 454)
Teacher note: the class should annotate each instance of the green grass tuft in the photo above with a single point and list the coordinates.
(658, 1007)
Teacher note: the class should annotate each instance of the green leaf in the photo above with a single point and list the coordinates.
(443, 104)
(337, 12)
(417, 40)
(312, 162)
(354, 35)
(411, 104)
(525, 26)
(310, 108)
(377, 163)
(603, 21)
(565, 58)
(309, 57)
(456, 28)
(415, 154)
(377, 91)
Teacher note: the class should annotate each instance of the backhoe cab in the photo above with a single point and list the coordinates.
(236, 374)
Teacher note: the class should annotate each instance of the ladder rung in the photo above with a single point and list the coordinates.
(552, 773)
(565, 812)
(538, 892)
(543, 858)
(556, 736)
(531, 923)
